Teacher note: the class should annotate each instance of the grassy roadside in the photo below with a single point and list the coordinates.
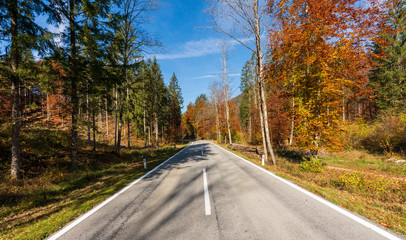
(38, 206)
(377, 197)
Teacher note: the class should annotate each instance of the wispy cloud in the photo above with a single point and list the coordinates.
(196, 49)
(206, 76)
(216, 76)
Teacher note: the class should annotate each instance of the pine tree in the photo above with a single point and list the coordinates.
(82, 16)
(17, 23)
(389, 78)
(175, 107)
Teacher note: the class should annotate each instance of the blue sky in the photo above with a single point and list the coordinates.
(191, 50)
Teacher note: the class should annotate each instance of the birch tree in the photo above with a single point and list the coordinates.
(244, 21)
(226, 87)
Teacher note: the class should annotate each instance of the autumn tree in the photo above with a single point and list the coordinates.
(246, 22)
(319, 49)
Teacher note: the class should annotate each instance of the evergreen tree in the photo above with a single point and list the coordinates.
(246, 87)
(18, 26)
(84, 18)
(390, 77)
(175, 107)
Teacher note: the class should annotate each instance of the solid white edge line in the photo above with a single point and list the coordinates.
(367, 224)
(206, 194)
(87, 214)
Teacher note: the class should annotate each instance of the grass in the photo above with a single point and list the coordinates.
(364, 161)
(373, 195)
(36, 208)
(51, 194)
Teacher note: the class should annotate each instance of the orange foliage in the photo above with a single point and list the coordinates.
(319, 52)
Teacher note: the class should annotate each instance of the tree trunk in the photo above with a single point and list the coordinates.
(261, 81)
(115, 119)
(16, 127)
(343, 108)
(48, 112)
(156, 132)
(228, 123)
(144, 114)
(145, 128)
(107, 119)
(120, 122)
(250, 129)
(149, 135)
(94, 130)
(217, 122)
(88, 118)
(225, 89)
(100, 121)
(262, 127)
(128, 122)
(292, 122)
(74, 98)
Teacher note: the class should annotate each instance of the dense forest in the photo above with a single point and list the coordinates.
(85, 109)
(333, 78)
(328, 76)
(91, 72)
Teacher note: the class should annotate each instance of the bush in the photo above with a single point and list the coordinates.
(385, 135)
(312, 165)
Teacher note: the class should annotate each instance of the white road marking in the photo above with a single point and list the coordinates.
(87, 214)
(206, 194)
(343, 211)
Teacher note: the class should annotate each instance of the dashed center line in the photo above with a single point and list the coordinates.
(206, 194)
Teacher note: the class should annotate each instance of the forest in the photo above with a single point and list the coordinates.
(322, 101)
(92, 72)
(333, 79)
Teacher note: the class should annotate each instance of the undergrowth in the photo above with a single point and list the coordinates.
(51, 194)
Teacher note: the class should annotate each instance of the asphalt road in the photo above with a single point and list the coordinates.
(205, 192)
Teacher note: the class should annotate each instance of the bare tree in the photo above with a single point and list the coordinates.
(215, 97)
(244, 21)
(226, 87)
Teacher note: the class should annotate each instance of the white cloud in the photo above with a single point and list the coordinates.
(206, 76)
(217, 76)
(196, 49)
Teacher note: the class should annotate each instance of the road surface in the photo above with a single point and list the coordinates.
(205, 192)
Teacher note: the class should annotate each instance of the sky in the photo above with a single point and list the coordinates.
(191, 50)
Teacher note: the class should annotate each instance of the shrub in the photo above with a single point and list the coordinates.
(385, 135)
(312, 165)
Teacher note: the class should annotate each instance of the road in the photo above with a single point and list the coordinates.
(205, 192)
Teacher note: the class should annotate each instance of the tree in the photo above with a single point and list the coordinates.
(130, 40)
(249, 98)
(18, 26)
(175, 107)
(81, 16)
(389, 78)
(215, 95)
(226, 87)
(319, 49)
(245, 23)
